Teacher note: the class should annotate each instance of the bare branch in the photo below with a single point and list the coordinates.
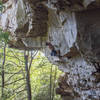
(20, 91)
(17, 57)
(13, 75)
(32, 57)
(14, 81)
(19, 87)
(13, 63)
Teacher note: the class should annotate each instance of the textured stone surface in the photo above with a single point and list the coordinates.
(27, 22)
(89, 31)
(72, 27)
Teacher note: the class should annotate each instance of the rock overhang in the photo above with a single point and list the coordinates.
(71, 26)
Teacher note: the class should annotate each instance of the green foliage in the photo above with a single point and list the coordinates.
(40, 74)
(1, 6)
(4, 36)
(40, 78)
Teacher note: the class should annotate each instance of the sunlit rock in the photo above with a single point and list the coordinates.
(72, 29)
(26, 21)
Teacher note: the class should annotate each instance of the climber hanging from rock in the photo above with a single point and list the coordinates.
(53, 51)
(56, 52)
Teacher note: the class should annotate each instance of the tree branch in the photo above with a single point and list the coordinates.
(13, 75)
(14, 82)
(32, 57)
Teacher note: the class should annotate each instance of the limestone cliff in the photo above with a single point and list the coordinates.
(72, 27)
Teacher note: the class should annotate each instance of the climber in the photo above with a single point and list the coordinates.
(53, 51)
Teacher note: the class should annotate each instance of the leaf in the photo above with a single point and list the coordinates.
(4, 36)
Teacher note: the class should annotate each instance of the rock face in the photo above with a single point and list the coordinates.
(26, 22)
(72, 28)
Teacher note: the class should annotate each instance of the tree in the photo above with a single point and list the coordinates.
(2, 71)
(28, 84)
(26, 75)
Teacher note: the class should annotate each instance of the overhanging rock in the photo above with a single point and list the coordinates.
(27, 22)
(72, 27)
(88, 23)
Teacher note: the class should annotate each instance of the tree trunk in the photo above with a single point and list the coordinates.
(28, 85)
(2, 72)
(53, 91)
(51, 83)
